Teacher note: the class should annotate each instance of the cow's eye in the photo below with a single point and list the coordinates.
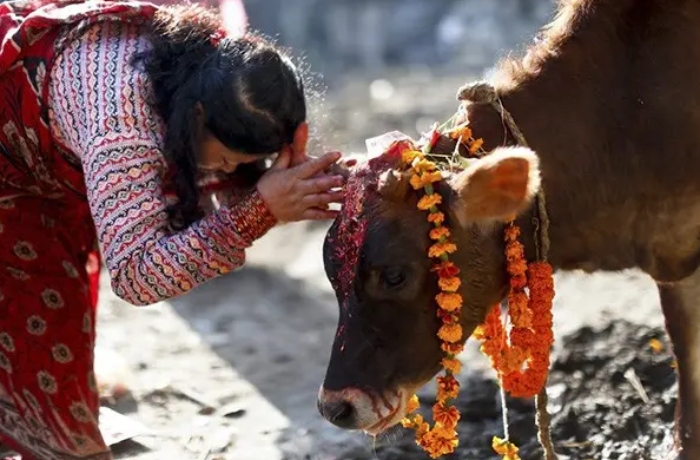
(393, 277)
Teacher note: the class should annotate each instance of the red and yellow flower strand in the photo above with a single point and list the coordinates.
(441, 439)
(520, 357)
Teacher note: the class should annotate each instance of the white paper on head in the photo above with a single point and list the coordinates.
(378, 145)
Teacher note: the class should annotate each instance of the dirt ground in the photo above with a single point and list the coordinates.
(231, 370)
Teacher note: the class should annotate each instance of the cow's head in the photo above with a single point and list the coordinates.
(375, 256)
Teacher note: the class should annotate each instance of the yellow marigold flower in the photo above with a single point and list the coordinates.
(476, 145)
(412, 405)
(419, 181)
(436, 218)
(439, 232)
(450, 284)
(449, 301)
(433, 176)
(452, 365)
(422, 165)
(438, 249)
(505, 448)
(428, 201)
(407, 156)
(450, 332)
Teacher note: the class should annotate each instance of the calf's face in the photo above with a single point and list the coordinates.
(375, 256)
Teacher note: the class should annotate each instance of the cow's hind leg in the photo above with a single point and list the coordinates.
(681, 306)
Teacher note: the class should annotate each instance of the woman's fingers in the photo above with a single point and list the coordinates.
(322, 199)
(321, 184)
(318, 214)
(283, 160)
(317, 165)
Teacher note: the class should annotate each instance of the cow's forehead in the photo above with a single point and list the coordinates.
(361, 196)
(347, 236)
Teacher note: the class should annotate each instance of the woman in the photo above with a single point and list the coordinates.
(119, 114)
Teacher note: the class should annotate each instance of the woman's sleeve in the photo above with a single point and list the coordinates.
(118, 137)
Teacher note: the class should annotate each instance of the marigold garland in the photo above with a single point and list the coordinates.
(530, 337)
(520, 357)
(441, 439)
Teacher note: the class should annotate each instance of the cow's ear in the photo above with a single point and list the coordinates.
(496, 187)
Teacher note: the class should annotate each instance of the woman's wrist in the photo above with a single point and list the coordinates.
(251, 216)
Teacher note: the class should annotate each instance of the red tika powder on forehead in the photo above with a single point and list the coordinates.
(352, 221)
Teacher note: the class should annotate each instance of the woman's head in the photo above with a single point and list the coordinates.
(225, 102)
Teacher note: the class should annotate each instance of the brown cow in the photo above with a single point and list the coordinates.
(608, 99)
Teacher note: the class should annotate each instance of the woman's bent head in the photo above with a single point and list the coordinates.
(226, 102)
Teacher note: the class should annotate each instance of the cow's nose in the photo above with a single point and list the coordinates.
(340, 412)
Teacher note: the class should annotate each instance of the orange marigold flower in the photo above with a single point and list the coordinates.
(436, 218)
(450, 332)
(438, 443)
(446, 269)
(450, 284)
(476, 145)
(517, 267)
(452, 365)
(412, 405)
(447, 387)
(419, 181)
(421, 425)
(416, 182)
(449, 301)
(439, 232)
(462, 132)
(446, 416)
(514, 250)
(511, 233)
(513, 360)
(452, 348)
(439, 249)
(518, 310)
(428, 201)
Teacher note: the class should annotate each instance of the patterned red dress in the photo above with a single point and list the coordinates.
(81, 166)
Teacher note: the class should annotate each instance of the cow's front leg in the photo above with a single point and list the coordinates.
(681, 306)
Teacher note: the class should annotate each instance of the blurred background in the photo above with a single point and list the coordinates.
(232, 369)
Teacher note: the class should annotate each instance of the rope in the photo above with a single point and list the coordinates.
(484, 93)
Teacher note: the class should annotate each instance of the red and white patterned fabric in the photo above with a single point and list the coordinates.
(80, 166)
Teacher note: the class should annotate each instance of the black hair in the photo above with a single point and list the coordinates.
(251, 92)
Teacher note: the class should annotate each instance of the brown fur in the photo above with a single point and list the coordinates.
(608, 100)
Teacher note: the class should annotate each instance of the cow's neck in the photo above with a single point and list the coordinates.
(560, 106)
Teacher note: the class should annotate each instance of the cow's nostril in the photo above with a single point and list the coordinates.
(339, 413)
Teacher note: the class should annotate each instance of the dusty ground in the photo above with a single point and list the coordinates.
(231, 370)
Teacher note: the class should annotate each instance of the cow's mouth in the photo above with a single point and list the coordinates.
(395, 415)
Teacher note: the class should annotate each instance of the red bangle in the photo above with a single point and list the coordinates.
(251, 217)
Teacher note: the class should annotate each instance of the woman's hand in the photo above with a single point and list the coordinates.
(302, 191)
